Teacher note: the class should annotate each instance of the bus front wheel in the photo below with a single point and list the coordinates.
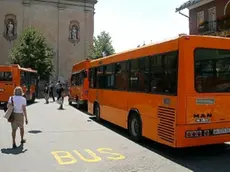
(97, 112)
(135, 127)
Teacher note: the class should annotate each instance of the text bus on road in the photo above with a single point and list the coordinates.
(79, 84)
(14, 75)
(176, 92)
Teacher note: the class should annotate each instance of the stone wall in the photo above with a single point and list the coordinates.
(56, 20)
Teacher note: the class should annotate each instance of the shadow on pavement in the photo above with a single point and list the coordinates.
(15, 151)
(31, 104)
(28, 104)
(34, 131)
(82, 109)
(198, 159)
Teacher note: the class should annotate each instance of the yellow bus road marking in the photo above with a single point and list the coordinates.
(66, 158)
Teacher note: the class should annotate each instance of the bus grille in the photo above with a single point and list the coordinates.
(166, 118)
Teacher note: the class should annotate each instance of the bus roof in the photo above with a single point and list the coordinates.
(80, 65)
(83, 61)
(28, 70)
(173, 41)
(17, 66)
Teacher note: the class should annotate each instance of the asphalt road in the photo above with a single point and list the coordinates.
(71, 141)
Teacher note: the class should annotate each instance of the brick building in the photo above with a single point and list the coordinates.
(208, 17)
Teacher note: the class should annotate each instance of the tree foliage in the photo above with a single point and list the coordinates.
(32, 51)
(102, 46)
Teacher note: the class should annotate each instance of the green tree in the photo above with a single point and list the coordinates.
(32, 51)
(102, 46)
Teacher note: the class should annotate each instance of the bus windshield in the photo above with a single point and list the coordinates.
(212, 70)
(6, 76)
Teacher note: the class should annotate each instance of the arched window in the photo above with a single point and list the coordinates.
(227, 9)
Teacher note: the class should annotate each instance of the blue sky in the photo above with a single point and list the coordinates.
(131, 22)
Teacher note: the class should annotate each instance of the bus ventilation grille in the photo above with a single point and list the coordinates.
(166, 118)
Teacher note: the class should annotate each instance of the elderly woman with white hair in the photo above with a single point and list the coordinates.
(19, 113)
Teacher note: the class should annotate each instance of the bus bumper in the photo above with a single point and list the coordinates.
(80, 101)
(202, 134)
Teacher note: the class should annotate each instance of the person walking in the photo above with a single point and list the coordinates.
(19, 114)
(46, 92)
(51, 88)
(57, 88)
(61, 97)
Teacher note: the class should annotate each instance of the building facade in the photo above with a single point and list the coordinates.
(68, 26)
(208, 17)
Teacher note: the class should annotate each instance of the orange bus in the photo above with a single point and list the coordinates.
(175, 92)
(79, 84)
(14, 75)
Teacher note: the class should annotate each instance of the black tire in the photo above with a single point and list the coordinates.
(97, 112)
(135, 127)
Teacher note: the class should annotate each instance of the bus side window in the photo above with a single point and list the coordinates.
(73, 78)
(144, 74)
(99, 74)
(122, 76)
(139, 74)
(6, 76)
(134, 79)
(171, 66)
(23, 78)
(92, 77)
(77, 79)
(164, 71)
(85, 74)
(108, 77)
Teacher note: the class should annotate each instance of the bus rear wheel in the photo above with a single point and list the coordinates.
(97, 112)
(135, 127)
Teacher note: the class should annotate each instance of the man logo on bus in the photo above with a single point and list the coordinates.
(202, 117)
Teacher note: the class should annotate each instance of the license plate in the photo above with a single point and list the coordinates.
(221, 131)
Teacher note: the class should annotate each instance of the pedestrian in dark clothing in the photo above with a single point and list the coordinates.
(51, 86)
(57, 87)
(46, 91)
(61, 96)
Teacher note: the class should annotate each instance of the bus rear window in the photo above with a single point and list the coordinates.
(212, 70)
(5, 76)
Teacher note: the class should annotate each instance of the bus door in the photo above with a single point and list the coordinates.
(99, 84)
(25, 84)
(84, 84)
(28, 85)
(33, 84)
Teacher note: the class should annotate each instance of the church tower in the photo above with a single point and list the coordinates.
(68, 26)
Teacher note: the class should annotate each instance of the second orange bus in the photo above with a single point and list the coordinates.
(79, 84)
